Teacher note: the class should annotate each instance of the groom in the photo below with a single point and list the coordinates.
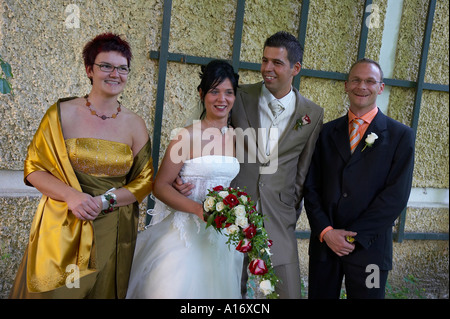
(281, 128)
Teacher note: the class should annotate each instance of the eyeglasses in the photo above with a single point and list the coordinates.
(368, 82)
(122, 69)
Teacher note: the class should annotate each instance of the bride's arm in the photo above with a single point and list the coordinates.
(168, 172)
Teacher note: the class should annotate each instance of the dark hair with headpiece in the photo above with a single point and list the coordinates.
(214, 73)
(105, 42)
(288, 41)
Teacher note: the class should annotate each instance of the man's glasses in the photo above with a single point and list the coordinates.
(368, 82)
(105, 67)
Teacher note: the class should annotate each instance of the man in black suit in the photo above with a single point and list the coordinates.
(358, 184)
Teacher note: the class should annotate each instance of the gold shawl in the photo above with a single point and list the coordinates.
(58, 240)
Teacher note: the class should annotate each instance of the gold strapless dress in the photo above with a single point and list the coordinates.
(100, 165)
(57, 239)
(99, 157)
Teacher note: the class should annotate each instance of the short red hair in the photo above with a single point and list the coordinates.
(105, 42)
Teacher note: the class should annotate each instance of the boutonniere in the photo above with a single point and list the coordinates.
(305, 120)
(370, 139)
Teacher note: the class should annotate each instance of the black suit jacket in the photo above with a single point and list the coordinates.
(364, 192)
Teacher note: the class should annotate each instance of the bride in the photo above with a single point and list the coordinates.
(176, 257)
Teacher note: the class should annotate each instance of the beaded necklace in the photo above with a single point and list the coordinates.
(103, 117)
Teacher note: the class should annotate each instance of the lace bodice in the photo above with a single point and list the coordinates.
(205, 173)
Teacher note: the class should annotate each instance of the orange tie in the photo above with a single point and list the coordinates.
(354, 134)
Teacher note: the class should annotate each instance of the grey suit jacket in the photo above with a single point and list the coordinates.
(277, 180)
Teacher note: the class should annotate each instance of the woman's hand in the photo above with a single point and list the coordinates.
(84, 206)
(200, 213)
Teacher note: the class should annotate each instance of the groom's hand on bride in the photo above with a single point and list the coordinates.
(183, 188)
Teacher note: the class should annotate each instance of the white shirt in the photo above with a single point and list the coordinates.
(269, 122)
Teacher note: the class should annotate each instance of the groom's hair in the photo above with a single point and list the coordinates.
(288, 41)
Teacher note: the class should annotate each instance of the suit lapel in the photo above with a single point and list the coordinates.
(341, 138)
(250, 102)
(378, 126)
(291, 136)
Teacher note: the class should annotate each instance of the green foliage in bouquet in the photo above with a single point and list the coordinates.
(232, 212)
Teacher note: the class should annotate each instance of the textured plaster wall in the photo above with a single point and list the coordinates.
(16, 214)
(46, 59)
(47, 64)
(432, 152)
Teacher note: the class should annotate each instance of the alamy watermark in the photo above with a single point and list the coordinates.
(73, 277)
(252, 146)
(373, 19)
(72, 13)
(373, 279)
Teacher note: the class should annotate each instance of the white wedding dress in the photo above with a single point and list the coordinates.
(176, 257)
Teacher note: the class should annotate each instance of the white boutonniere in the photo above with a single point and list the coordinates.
(370, 139)
(304, 120)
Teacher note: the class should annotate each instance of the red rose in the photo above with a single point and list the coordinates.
(250, 231)
(242, 193)
(220, 220)
(269, 243)
(258, 267)
(244, 246)
(231, 201)
(218, 188)
(306, 119)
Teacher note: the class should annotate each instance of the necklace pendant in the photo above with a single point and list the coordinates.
(223, 130)
(103, 117)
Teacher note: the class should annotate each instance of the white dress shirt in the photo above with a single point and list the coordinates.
(275, 126)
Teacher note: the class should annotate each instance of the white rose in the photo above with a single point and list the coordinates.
(266, 287)
(244, 199)
(232, 229)
(220, 206)
(239, 211)
(370, 139)
(241, 221)
(208, 204)
(223, 194)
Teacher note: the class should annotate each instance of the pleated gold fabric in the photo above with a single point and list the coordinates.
(57, 238)
(99, 249)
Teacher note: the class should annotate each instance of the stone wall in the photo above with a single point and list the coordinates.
(43, 44)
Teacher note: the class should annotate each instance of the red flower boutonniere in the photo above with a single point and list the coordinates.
(305, 120)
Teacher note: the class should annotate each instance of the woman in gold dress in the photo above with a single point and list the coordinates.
(90, 158)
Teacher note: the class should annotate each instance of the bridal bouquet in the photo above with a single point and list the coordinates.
(231, 210)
